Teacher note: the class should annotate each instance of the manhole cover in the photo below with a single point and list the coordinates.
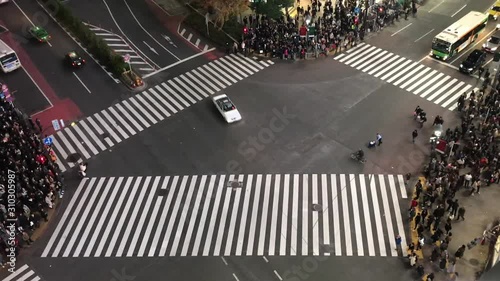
(328, 248)
(234, 184)
(162, 192)
(474, 262)
(317, 207)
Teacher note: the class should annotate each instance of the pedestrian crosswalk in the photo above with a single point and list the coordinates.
(23, 273)
(232, 215)
(101, 131)
(121, 47)
(411, 76)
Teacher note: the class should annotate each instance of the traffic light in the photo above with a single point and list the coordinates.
(380, 9)
(245, 30)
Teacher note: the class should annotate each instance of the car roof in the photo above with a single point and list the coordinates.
(220, 97)
(476, 54)
(73, 54)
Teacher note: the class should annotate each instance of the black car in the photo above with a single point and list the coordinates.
(73, 59)
(473, 62)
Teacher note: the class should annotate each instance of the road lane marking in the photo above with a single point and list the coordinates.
(277, 275)
(402, 29)
(424, 35)
(436, 6)
(224, 261)
(236, 277)
(177, 63)
(265, 259)
(82, 83)
(40, 89)
(463, 7)
(140, 25)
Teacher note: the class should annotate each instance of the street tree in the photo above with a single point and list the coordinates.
(223, 10)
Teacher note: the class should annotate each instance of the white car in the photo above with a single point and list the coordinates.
(227, 108)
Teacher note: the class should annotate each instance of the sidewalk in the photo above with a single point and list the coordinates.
(481, 210)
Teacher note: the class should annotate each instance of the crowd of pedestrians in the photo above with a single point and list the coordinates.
(29, 180)
(316, 29)
(469, 162)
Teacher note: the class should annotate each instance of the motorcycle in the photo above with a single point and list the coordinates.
(356, 157)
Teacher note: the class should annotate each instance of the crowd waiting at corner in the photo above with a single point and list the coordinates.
(469, 162)
(290, 38)
(28, 172)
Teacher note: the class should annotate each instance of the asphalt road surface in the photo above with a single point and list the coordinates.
(89, 88)
(138, 25)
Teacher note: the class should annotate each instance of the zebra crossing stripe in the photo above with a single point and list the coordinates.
(408, 75)
(22, 273)
(123, 120)
(206, 215)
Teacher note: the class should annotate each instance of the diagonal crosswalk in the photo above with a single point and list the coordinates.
(23, 273)
(411, 76)
(101, 131)
(232, 215)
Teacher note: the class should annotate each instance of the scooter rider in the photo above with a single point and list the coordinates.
(360, 154)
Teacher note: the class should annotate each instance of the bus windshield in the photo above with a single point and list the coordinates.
(441, 46)
(9, 58)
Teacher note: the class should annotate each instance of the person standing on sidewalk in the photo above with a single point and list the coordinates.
(418, 219)
(461, 213)
(414, 135)
(460, 252)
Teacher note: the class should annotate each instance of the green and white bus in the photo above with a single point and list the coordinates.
(458, 36)
(8, 58)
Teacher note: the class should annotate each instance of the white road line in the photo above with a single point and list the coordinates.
(72, 221)
(274, 216)
(305, 215)
(277, 275)
(194, 87)
(265, 259)
(143, 110)
(163, 217)
(165, 94)
(326, 212)
(117, 45)
(224, 261)
(160, 98)
(409, 74)
(83, 218)
(294, 228)
(61, 151)
(366, 214)
(436, 85)
(370, 60)
(115, 124)
(358, 58)
(436, 6)
(38, 87)
(455, 97)
(387, 215)
(154, 39)
(77, 142)
(189, 36)
(63, 219)
(174, 93)
(181, 91)
(200, 83)
(213, 217)
(345, 211)
(263, 222)
(120, 119)
(408, 25)
(232, 221)
(397, 211)
(159, 230)
(453, 90)
(377, 214)
(100, 131)
(108, 129)
(94, 238)
(173, 218)
(16, 273)
(370, 52)
(227, 70)
(26, 16)
(357, 220)
(253, 217)
(284, 218)
(149, 229)
(81, 82)
(423, 35)
(114, 215)
(232, 66)
(92, 135)
(158, 106)
(244, 215)
(140, 98)
(129, 118)
(136, 114)
(194, 214)
(182, 32)
(204, 214)
(315, 215)
(95, 212)
(395, 66)
(142, 219)
(336, 217)
(85, 139)
(236, 277)
(183, 216)
(463, 7)
(442, 89)
(402, 72)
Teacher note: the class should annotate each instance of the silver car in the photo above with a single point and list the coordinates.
(492, 44)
